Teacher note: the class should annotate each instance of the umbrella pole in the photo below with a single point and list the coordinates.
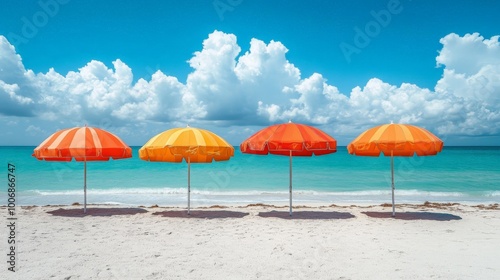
(189, 186)
(392, 184)
(290, 183)
(84, 185)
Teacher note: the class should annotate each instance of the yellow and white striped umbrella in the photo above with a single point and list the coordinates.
(189, 143)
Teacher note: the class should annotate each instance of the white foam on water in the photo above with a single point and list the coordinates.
(178, 196)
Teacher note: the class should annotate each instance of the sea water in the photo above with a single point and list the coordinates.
(457, 174)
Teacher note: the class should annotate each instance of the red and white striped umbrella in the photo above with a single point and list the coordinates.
(82, 144)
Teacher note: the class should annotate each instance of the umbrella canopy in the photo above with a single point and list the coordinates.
(289, 139)
(194, 145)
(82, 144)
(395, 140)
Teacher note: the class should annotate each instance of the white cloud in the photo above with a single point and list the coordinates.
(259, 87)
(472, 78)
(11, 92)
(228, 88)
(211, 86)
(34, 130)
(11, 66)
(472, 68)
(161, 99)
(266, 62)
(316, 102)
(468, 54)
(465, 100)
(16, 95)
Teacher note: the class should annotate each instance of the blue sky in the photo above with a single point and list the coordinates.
(140, 67)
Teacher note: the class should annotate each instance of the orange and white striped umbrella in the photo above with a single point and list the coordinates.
(82, 144)
(395, 140)
(189, 143)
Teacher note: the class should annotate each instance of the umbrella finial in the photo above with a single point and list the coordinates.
(392, 122)
(187, 125)
(289, 121)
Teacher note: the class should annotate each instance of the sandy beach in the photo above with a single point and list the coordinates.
(431, 241)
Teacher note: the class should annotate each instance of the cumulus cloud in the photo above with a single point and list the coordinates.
(471, 77)
(471, 68)
(260, 87)
(228, 88)
(34, 130)
(468, 54)
(315, 102)
(465, 100)
(16, 95)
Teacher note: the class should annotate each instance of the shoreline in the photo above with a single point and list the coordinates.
(230, 199)
(312, 205)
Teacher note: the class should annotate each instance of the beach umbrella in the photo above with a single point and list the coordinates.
(395, 140)
(289, 139)
(82, 144)
(194, 145)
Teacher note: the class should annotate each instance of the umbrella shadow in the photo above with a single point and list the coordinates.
(202, 214)
(102, 212)
(307, 215)
(431, 216)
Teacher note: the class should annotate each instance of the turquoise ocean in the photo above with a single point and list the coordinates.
(458, 174)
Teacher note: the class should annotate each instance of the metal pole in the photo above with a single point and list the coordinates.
(189, 186)
(84, 185)
(392, 178)
(290, 183)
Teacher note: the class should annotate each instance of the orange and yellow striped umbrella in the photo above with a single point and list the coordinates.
(82, 144)
(398, 139)
(289, 139)
(395, 140)
(189, 143)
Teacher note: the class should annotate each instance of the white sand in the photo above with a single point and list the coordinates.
(449, 242)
